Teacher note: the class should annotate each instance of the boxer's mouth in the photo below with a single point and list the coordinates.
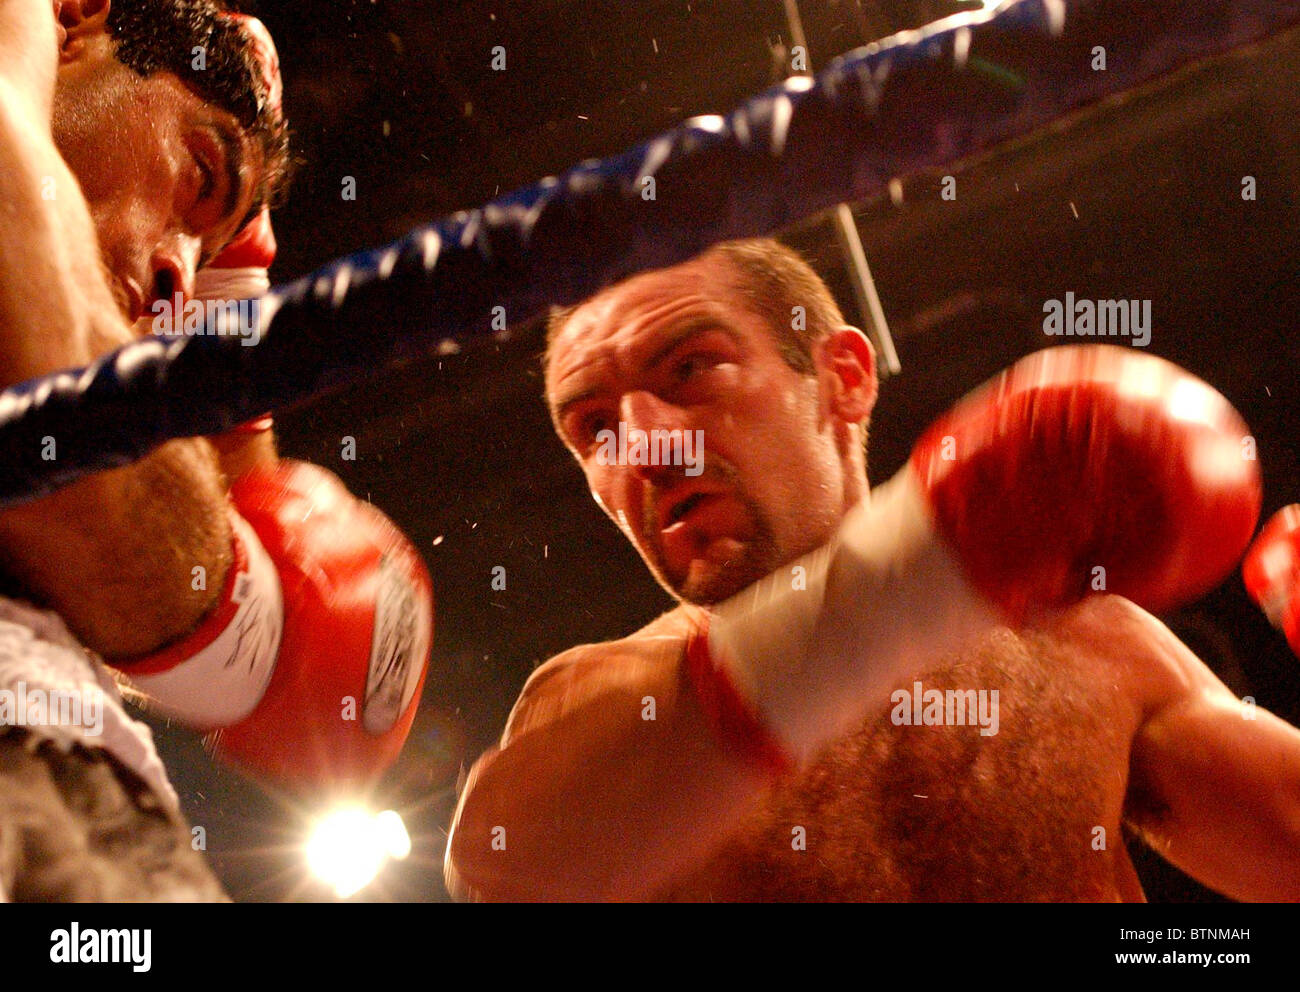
(684, 507)
(682, 504)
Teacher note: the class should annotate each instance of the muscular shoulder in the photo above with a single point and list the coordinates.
(1135, 651)
(589, 670)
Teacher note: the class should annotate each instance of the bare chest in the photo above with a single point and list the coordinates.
(999, 777)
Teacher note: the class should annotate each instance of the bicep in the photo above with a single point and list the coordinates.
(1215, 786)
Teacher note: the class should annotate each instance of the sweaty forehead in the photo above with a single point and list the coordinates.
(639, 311)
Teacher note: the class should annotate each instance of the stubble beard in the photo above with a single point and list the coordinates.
(755, 558)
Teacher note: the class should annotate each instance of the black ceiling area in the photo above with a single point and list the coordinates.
(1136, 198)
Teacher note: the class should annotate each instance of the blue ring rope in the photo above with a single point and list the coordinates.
(917, 100)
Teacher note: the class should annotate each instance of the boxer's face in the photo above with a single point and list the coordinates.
(168, 177)
(676, 350)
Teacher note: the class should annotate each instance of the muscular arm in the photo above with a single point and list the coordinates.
(595, 801)
(1217, 793)
(115, 553)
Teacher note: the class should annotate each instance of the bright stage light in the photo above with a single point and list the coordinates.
(349, 847)
(397, 842)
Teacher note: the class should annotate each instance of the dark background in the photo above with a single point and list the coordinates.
(1137, 199)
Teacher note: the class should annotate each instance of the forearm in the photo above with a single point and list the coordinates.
(29, 51)
(619, 807)
(55, 304)
(594, 801)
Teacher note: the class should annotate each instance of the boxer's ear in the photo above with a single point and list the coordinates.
(78, 21)
(847, 364)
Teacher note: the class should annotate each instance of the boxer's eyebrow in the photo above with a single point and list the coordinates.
(573, 400)
(691, 328)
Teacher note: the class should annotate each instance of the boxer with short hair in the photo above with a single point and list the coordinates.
(791, 731)
(249, 597)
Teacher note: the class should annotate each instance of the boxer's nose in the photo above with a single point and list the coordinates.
(170, 273)
(664, 425)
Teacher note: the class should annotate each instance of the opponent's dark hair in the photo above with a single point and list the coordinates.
(161, 35)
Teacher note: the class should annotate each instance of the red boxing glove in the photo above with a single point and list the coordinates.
(324, 692)
(266, 57)
(1091, 456)
(1080, 469)
(240, 271)
(1271, 572)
